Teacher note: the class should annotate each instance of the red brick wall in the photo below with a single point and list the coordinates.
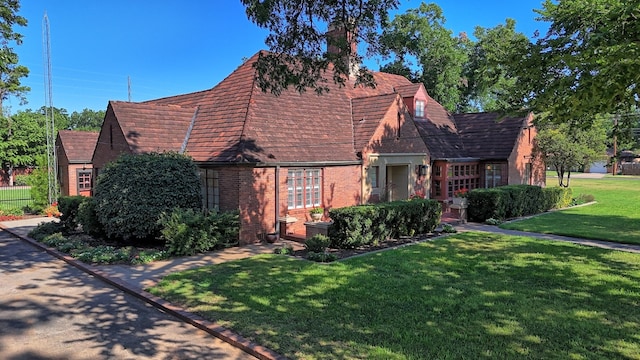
(522, 154)
(63, 168)
(111, 142)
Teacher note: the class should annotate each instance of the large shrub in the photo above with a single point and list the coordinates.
(189, 232)
(68, 206)
(39, 182)
(134, 190)
(88, 218)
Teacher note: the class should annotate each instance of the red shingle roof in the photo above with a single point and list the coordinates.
(367, 113)
(78, 145)
(151, 127)
(238, 122)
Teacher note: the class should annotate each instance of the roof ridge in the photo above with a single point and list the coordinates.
(242, 144)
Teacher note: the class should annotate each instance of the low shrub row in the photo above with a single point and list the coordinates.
(189, 232)
(357, 226)
(514, 201)
(55, 235)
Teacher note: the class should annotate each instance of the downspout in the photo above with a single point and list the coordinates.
(277, 196)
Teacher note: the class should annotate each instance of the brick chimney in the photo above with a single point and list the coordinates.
(337, 35)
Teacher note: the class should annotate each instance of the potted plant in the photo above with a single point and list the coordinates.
(52, 210)
(316, 213)
(460, 196)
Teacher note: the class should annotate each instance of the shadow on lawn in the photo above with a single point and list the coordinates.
(468, 296)
(56, 311)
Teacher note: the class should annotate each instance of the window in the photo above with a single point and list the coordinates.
(304, 188)
(437, 171)
(419, 108)
(374, 172)
(84, 180)
(210, 185)
(492, 175)
(462, 176)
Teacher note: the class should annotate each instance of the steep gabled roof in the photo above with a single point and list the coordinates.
(78, 145)
(152, 127)
(367, 114)
(489, 135)
(238, 122)
(439, 131)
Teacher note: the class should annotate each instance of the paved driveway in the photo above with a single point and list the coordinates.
(51, 310)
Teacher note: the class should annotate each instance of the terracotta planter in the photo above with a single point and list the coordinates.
(271, 238)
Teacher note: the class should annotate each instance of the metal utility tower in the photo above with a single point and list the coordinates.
(52, 159)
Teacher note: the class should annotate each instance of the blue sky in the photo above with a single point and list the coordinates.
(175, 47)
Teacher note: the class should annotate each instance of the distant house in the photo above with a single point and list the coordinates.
(74, 152)
(273, 157)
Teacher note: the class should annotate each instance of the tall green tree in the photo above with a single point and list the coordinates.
(22, 139)
(299, 35)
(490, 80)
(586, 64)
(568, 146)
(11, 72)
(86, 120)
(420, 36)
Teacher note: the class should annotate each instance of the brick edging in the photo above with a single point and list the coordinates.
(212, 328)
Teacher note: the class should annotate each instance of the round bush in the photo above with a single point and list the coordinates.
(134, 190)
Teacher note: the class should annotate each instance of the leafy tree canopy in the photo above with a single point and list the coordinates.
(86, 120)
(299, 35)
(568, 147)
(420, 35)
(586, 64)
(10, 71)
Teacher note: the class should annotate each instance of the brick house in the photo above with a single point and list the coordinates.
(74, 150)
(276, 157)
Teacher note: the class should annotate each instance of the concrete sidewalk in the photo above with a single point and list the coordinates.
(586, 242)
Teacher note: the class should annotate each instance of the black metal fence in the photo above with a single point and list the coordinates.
(15, 197)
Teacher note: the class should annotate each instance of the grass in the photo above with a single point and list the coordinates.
(615, 217)
(470, 295)
(11, 199)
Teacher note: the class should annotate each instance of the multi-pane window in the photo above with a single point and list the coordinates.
(210, 186)
(419, 108)
(304, 188)
(462, 176)
(84, 180)
(492, 175)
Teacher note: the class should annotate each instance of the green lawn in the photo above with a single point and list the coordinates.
(615, 217)
(470, 295)
(14, 198)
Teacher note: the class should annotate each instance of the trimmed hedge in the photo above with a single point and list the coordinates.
(515, 201)
(356, 226)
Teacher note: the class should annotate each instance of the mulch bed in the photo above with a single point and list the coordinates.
(387, 244)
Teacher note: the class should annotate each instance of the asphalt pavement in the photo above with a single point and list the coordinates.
(50, 309)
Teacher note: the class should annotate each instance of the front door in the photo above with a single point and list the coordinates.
(397, 182)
